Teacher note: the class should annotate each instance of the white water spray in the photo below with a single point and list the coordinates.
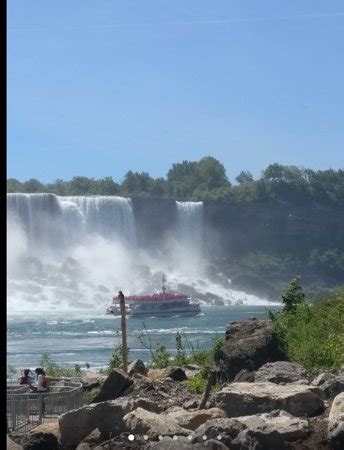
(76, 252)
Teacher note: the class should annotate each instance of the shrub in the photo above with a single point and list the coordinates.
(55, 370)
(161, 357)
(196, 384)
(313, 335)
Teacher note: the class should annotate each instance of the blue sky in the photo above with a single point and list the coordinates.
(96, 88)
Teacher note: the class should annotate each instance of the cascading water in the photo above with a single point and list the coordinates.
(76, 252)
(61, 249)
(50, 221)
(107, 216)
(190, 226)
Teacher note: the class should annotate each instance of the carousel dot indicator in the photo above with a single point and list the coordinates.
(189, 437)
(160, 437)
(145, 437)
(204, 437)
(131, 437)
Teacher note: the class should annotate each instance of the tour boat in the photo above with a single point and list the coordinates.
(160, 304)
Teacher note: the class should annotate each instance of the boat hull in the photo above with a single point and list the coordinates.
(189, 311)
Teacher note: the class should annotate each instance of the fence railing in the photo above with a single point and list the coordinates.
(26, 409)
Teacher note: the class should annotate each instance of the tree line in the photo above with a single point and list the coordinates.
(205, 179)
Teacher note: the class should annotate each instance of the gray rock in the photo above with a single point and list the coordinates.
(192, 403)
(281, 372)
(114, 386)
(141, 421)
(176, 373)
(147, 404)
(192, 420)
(258, 440)
(41, 441)
(336, 422)
(108, 416)
(242, 399)
(90, 386)
(244, 376)
(289, 428)
(330, 383)
(249, 344)
(137, 366)
(226, 428)
(84, 446)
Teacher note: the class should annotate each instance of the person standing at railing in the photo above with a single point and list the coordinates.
(43, 382)
(27, 378)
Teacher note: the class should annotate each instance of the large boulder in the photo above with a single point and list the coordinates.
(227, 429)
(249, 344)
(281, 372)
(242, 399)
(108, 416)
(165, 393)
(147, 404)
(114, 386)
(263, 439)
(176, 373)
(137, 366)
(192, 420)
(191, 370)
(336, 422)
(40, 441)
(330, 383)
(244, 376)
(289, 428)
(153, 425)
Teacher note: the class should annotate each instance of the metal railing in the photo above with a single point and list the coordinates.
(26, 409)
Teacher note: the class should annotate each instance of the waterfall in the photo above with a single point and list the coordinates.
(190, 226)
(107, 216)
(75, 252)
(52, 222)
(39, 215)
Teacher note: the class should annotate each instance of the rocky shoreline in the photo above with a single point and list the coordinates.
(264, 402)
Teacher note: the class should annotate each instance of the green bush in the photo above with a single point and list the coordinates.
(53, 369)
(313, 335)
(196, 384)
(161, 357)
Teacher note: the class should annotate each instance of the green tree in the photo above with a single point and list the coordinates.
(211, 173)
(182, 179)
(293, 295)
(83, 186)
(136, 183)
(33, 186)
(244, 177)
(14, 185)
(197, 180)
(107, 186)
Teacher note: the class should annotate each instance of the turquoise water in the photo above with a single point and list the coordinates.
(88, 337)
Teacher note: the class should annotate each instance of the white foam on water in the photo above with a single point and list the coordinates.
(74, 253)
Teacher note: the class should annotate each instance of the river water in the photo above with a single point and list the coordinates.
(89, 337)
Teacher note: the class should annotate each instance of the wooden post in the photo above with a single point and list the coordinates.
(124, 331)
